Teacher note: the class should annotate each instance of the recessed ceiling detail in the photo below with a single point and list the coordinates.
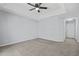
(23, 10)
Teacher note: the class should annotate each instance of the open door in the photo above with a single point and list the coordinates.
(71, 28)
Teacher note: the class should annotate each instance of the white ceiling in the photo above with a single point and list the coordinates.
(23, 10)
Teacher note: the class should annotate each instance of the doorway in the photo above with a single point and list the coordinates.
(71, 28)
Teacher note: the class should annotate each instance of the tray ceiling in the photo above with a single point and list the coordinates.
(23, 10)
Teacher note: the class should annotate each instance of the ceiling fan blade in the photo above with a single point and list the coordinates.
(32, 9)
(43, 7)
(31, 4)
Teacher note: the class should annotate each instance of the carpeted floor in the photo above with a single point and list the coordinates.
(41, 47)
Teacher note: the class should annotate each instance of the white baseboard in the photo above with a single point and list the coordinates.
(10, 43)
(52, 39)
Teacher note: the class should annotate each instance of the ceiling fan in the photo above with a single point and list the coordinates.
(37, 6)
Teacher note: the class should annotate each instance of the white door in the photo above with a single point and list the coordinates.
(70, 28)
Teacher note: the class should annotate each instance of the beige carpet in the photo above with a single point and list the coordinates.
(41, 47)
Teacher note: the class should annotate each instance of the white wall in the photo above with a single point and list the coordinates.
(14, 28)
(52, 28)
(78, 30)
